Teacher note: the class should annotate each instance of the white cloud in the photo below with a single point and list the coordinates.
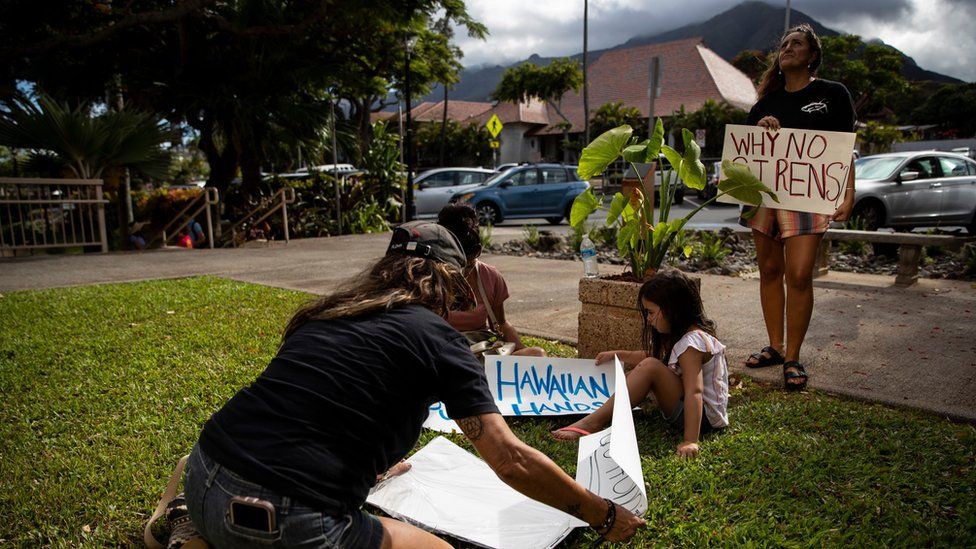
(936, 33)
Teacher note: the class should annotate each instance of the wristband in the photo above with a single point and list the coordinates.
(609, 520)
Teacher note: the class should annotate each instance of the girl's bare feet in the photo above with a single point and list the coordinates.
(581, 428)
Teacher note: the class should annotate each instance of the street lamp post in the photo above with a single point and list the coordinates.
(408, 134)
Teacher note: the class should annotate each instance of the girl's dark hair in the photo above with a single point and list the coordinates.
(396, 280)
(773, 80)
(680, 303)
(462, 220)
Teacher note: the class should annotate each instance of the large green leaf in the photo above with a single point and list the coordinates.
(655, 142)
(740, 183)
(625, 236)
(692, 170)
(673, 156)
(617, 206)
(603, 150)
(584, 204)
(635, 153)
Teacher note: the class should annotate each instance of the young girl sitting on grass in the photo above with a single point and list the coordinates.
(692, 387)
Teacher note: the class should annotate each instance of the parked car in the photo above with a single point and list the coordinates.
(904, 190)
(507, 166)
(525, 191)
(711, 183)
(433, 189)
(679, 192)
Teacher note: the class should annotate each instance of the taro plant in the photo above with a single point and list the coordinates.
(641, 240)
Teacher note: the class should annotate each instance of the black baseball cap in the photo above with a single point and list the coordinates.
(427, 239)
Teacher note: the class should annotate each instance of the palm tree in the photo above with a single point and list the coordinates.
(87, 145)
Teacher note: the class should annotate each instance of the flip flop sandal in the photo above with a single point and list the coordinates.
(571, 429)
(800, 374)
(768, 356)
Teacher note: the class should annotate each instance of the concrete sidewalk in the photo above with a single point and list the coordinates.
(913, 347)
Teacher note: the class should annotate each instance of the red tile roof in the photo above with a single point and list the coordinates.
(530, 112)
(459, 111)
(690, 74)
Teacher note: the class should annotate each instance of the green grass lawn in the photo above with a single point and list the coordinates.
(103, 388)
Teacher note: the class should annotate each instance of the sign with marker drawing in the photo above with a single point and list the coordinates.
(450, 491)
(806, 169)
(609, 462)
(538, 386)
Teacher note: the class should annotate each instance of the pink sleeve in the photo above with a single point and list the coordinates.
(494, 283)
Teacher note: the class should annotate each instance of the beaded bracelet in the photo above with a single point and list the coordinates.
(609, 520)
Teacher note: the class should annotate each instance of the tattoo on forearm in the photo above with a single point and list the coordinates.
(574, 509)
(472, 427)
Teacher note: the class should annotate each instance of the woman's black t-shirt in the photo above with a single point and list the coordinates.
(822, 105)
(342, 401)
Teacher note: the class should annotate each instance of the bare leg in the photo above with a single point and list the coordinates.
(650, 375)
(400, 535)
(530, 351)
(801, 254)
(772, 297)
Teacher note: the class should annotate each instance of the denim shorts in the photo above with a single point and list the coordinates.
(676, 419)
(210, 486)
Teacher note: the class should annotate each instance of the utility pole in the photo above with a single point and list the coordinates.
(409, 136)
(786, 24)
(335, 166)
(586, 88)
(653, 91)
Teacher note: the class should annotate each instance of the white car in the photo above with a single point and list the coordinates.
(433, 189)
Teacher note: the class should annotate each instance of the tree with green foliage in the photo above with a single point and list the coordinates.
(712, 117)
(548, 84)
(871, 72)
(468, 143)
(87, 145)
(752, 63)
(613, 114)
(877, 138)
(953, 108)
(247, 76)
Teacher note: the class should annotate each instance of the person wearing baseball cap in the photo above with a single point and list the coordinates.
(296, 452)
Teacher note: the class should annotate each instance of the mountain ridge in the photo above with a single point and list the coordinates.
(749, 25)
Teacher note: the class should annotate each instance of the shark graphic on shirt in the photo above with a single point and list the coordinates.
(816, 106)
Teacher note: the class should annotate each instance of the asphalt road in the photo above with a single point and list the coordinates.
(715, 216)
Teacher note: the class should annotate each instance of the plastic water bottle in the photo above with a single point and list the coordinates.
(591, 269)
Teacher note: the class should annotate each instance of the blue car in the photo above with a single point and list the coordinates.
(526, 191)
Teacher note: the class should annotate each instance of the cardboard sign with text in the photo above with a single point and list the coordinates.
(806, 169)
(608, 463)
(538, 386)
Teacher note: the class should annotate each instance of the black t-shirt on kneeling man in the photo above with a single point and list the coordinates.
(822, 105)
(344, 400)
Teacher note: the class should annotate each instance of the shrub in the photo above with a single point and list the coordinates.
(712, 248)
(484, 233)
(531, 236)
(683, 245)
(854, 247)
(968, 257)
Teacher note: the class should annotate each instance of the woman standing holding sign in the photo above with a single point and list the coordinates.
(289, 460)
(790, 96)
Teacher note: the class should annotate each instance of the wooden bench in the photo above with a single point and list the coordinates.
(909, 249)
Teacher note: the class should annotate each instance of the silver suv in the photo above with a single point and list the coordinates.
(905, 190)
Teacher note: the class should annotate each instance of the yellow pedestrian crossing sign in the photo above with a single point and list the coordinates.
(495, 143)
(494, 125)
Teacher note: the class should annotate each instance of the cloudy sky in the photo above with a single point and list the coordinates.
(938, 34)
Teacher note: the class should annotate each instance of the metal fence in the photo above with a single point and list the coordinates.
(51, 213)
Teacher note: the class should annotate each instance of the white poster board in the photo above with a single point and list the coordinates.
(609, 462)
(538, 386)
(806, 169)
(449, 491)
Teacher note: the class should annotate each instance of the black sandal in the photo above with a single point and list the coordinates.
(762, 360)
(800, 373)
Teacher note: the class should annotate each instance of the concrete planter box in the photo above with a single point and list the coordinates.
(608, 318)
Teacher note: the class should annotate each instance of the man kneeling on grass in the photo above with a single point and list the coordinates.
(289, 460)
